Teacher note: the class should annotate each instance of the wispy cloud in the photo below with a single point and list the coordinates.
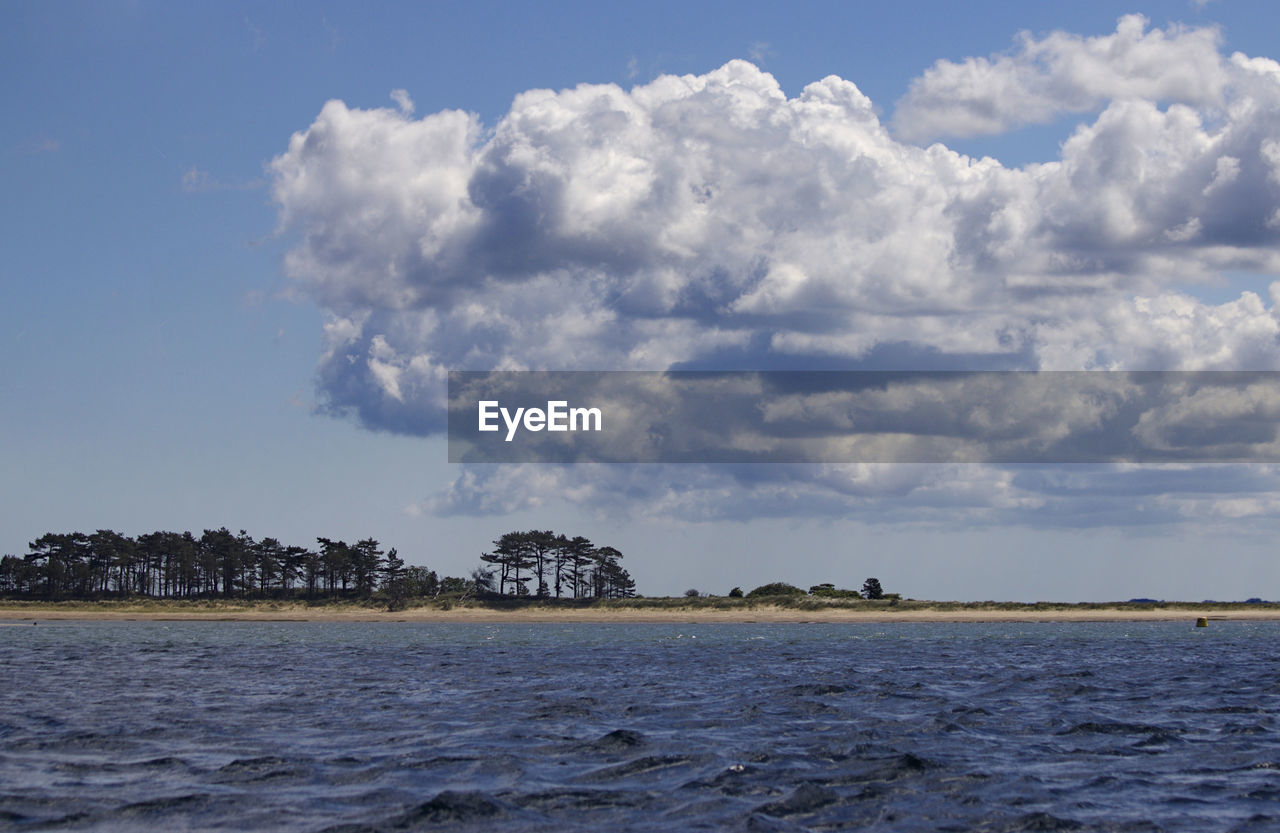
(197, 181)
(403, 101)
(759, 52)
(333, 32)
(256, 37)
(42, 144)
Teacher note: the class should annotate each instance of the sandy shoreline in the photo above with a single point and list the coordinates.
(22, 614)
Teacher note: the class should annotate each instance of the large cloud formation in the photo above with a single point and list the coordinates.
(712, 221)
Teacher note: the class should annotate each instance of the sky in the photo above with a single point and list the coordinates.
(241, 245)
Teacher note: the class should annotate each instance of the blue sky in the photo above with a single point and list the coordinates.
(164, 366)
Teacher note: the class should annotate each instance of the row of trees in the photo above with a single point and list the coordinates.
(557, 566)
(218, 563)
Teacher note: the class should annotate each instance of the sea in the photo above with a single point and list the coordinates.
(323, 726)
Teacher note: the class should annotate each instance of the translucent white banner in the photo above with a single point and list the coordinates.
(863, 416)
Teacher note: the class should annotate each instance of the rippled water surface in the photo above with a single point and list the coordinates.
(401, 726)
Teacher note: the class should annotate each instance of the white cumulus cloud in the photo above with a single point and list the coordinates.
(1041, 80)
(713, 221)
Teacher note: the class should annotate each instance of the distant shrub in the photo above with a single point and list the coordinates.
(692, 593)
(830, 591)
(454, 584)
(735, 593)
(419, 581)
(777, 588)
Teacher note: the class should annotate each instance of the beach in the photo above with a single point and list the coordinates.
(21, 612)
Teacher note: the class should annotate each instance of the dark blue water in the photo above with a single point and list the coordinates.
(356, 726)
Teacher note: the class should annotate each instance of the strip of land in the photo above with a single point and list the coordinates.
(636, 611)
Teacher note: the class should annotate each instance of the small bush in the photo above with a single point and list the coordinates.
(830, 591)
(692, 593)
(735, 593)
(777, 588)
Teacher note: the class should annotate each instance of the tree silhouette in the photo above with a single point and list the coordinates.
(587, 570)
(393, 580)
(541, 544)
(578, 557)
(365, 557)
